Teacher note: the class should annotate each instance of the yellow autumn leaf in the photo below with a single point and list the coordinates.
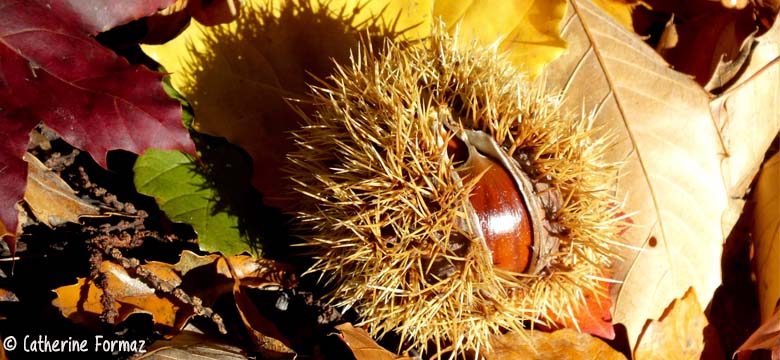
(620, 10)
(243, 77)
(528, 31)
(558, 345)
(678, 334)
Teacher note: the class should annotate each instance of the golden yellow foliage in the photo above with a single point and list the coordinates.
(240, 77)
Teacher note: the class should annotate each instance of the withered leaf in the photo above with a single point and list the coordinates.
(767, 337)
(81, 302)
(707, 33)
(51, 199)
(677, 334)
(55, 72)
(750, 109)
(8, 296)
(191, 343)
(678, 173)
(561, 344)
(206, 277)
(266, 338)
(363, 346)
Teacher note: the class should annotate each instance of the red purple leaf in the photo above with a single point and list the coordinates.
(96, 16)
(52, 71)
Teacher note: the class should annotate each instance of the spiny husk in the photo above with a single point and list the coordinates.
(381, 198)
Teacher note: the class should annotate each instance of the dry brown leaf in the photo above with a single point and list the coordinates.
(561, 344)
(8, 296)
(749, 113)
(206, 277)
(193, 344)
(81, 302)
(708, 34)
(766, 236)
(363, 346)
(51, 199)
(677, 334)
(728, 69)
(266, 338)
(766, 337)
(673, 154)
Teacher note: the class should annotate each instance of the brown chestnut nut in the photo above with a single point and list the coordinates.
(504, 206)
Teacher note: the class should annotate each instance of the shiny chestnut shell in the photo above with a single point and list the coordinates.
(503, 204)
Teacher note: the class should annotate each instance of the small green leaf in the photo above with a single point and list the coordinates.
(185, 195)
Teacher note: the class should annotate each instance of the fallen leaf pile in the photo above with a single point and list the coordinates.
(688, 92)
(77, 87)
(210, 277)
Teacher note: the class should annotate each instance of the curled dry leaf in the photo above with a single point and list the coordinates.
(677, 334)
(207, 277)
(81, 302)
(51, 199)
(766, 337)
(191, 343)
(561, 344)
(363, 346)
(709, 38)
(750, 109)
(676, 176)
(766, 236)
(8, 296)
(266, 338)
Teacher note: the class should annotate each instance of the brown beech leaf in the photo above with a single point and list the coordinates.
(766, 236)
(677, 334)
(561, 344)
(51, 199)
(363, 346)
(750, 109)
(675, 175)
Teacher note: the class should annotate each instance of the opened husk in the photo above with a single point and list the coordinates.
(388, 210)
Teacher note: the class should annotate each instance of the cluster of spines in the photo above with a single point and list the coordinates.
(382, 197)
